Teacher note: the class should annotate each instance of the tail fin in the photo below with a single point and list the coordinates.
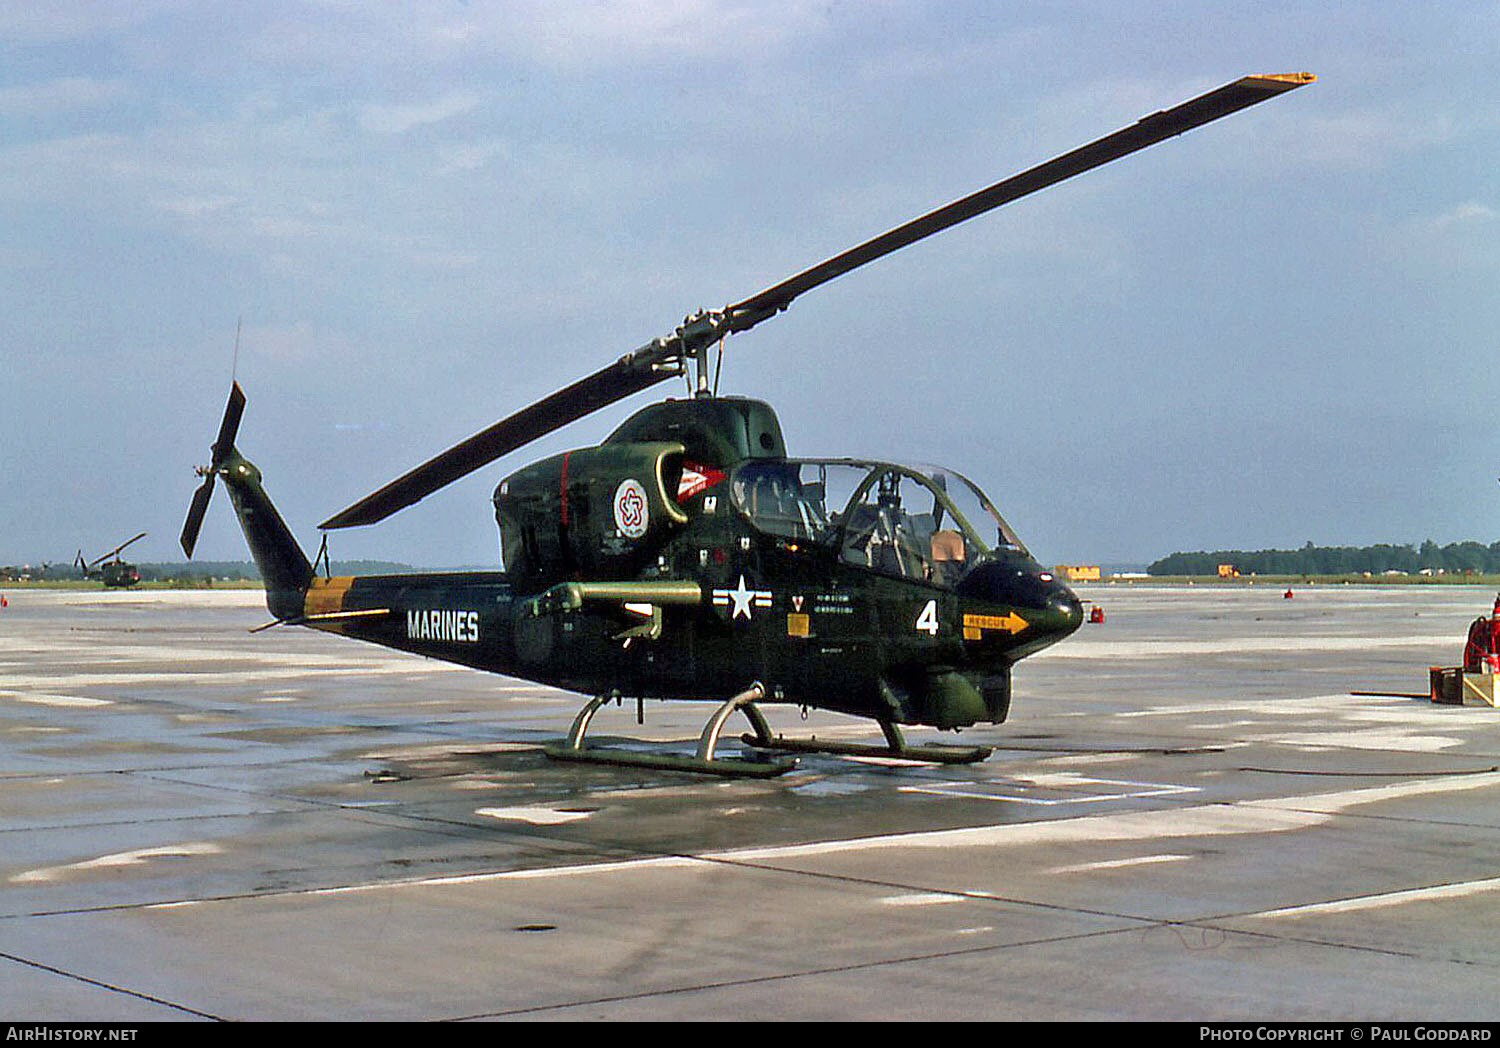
(283, 565)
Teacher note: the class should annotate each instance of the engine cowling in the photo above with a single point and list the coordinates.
(596, 513)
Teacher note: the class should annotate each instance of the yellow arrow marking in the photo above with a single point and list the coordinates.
(974, 625)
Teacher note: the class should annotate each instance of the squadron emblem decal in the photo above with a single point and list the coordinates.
(695, 480)
(632, 513)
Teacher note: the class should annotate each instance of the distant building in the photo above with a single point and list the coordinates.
(1078, 572)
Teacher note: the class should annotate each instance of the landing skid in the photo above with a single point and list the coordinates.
(576, 749)
(896, 747)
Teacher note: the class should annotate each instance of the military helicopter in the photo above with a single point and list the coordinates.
(115, 573)
(688, 557)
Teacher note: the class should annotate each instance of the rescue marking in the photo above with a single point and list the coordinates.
(975, 625)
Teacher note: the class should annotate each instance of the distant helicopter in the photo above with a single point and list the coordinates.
(115, 573)
(687, 557)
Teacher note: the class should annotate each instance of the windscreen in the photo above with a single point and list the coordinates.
(923, 523)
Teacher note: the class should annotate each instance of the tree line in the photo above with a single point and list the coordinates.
(1455, 558)
(198, 572)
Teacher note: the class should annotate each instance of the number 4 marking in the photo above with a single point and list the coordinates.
(927, 622)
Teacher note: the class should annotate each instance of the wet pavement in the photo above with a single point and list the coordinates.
(1218, 804)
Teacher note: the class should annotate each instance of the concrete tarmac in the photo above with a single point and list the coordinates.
(1219, 804)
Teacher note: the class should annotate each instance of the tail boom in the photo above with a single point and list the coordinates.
(283, 566)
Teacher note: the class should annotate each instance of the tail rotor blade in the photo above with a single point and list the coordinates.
(196, 510)
(229, 428)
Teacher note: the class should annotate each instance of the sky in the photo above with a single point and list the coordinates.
(420, 217)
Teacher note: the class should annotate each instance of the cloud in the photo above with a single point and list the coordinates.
(1459, 238)
(1366, 138)
(1465, 215)
(398, 119)
(38, 21)
(197, 207)
(64, 94)
(299, 343)
(592, 34)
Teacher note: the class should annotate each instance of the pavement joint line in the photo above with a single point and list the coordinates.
(39, 966)
(786, 976)
(1343, 802)
(747, 857)
(1308, 940)
(939, 955)
(739, 859)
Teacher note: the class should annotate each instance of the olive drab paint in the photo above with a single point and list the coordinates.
(687, 556)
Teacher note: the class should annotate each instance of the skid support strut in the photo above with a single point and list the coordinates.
(704, 762)
(895, 747)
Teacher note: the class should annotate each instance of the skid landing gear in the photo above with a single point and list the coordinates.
(575, 749)
(896, 747)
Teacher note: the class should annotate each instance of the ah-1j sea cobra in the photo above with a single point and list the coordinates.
(687, 557)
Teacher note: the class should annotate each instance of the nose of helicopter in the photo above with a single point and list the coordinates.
(1050, 609)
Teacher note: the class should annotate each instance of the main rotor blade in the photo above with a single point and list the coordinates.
(118, 549)
(627, 375)
(1148, 131)
(664, 357)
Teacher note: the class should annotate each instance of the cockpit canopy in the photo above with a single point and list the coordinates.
(918, 522)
